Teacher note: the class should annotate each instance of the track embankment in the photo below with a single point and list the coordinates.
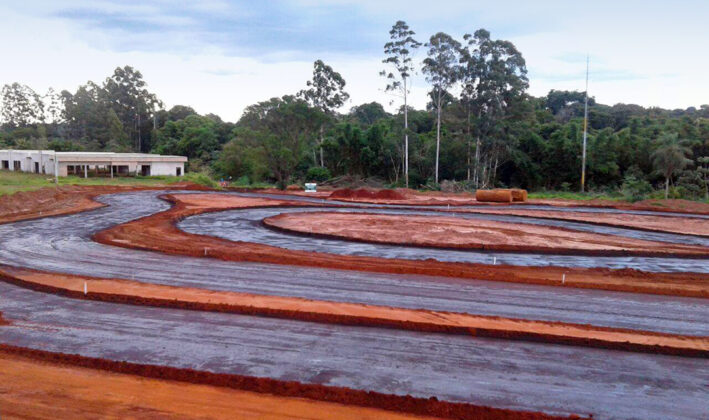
(158, 232)
(458, 233)
(68, 199)
(137, 293)
(651, 223)
(41, 389)
(279, 388)
(436, 198)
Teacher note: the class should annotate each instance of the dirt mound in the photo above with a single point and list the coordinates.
(294, 187)
(363, 193)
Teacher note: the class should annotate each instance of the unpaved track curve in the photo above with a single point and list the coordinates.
(550, 378)
(518, 375)
(63, 244)
(245, 225)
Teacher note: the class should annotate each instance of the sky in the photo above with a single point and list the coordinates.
(220, 56)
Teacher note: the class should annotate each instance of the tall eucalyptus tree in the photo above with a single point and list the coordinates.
(326, 92)
(398, 53)
(442, 70)
(494, 76)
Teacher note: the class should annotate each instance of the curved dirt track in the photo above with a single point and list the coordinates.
(539, 377)
(63, 244)
(525, 375)
(245, 225)
(456, 233)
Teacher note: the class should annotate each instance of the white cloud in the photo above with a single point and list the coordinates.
(651, 55)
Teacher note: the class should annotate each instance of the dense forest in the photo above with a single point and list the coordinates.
(480, 129)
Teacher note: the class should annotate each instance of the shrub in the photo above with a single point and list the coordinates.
(200, 178)
(634, 189)
(318, 174)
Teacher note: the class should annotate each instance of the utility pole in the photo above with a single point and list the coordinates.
(56, 169)
(585, 133)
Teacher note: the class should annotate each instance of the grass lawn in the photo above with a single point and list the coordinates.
(12, 182)
(568, 195)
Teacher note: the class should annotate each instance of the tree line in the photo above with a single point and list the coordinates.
(480, 128)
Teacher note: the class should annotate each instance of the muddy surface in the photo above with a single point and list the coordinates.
(501, 373)
(63, 244)
(245, 226)
(137, 293)
(665, 223)
(549, 378)
(66, 199)
(458, 233)
(44, 390)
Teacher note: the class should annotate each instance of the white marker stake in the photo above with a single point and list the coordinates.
(86, 289)
(494, 260)
(563, 278)
(205, 252)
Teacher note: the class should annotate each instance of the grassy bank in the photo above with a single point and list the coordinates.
(568, 195)
(12, 182)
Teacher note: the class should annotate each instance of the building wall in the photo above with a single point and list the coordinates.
(159, 165)
(166, 168)
(28, 158)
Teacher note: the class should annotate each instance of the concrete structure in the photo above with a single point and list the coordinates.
(87, 164)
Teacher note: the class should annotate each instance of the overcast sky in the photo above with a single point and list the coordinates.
(220, 56)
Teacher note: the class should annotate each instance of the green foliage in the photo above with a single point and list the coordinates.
(194, 137)
(280, 131)
(318, 174)
(671, 157)
(200, 178)
(634, 189)
(11, 182)
(493, 134)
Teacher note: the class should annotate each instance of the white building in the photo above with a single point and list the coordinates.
(87, 164)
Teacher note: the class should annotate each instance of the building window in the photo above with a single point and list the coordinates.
(178, 171)
(6, 164)
(16, 165)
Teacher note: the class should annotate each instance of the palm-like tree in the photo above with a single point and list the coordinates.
(671, 157)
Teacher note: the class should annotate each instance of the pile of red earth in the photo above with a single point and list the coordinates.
(2, 321)
(364, 193)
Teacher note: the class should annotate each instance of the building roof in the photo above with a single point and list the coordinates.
(104, 156)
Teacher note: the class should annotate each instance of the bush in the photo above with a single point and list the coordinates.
(200, 178)
(634, 189)
(318, 174)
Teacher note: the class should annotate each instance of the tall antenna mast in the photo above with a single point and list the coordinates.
(585, 133)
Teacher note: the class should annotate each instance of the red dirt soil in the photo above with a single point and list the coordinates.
(674, 206)
(367, 194)
(671, 224)
(38, 389)
(158, 232)
(457, 233)
(279, 388)
(427, 198)
(137, 293)
(3, 321)
(55, 201)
